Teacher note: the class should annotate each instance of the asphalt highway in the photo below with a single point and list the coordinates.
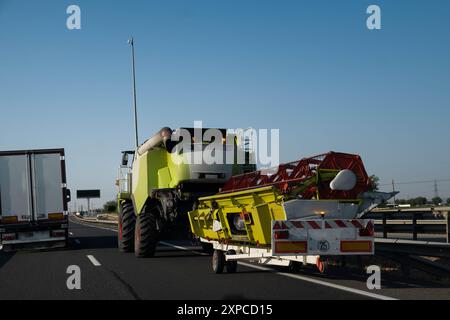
(178, 271)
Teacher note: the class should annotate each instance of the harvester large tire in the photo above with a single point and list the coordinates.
(125, 234)
(146, 234)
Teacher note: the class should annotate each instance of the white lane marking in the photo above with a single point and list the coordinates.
(295, 276)
(71, 233)
(183, 248)
(409, 284)
(320, 282)
(94, 261)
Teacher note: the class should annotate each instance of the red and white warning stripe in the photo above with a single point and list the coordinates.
(317, 224)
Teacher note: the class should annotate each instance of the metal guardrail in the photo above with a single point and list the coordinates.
(411, 254)
(94, 220)
(413, 247)
(415, 222)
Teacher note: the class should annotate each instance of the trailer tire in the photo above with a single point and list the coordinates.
(322, 266)
(218, 261)
(207, 248)
(146, 234)
(294, 266)
(126, 225)
(231, 266)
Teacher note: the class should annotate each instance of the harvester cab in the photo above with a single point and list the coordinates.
(161, 181)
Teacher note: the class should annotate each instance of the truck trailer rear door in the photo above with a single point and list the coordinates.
(15, 189)
(48, 188)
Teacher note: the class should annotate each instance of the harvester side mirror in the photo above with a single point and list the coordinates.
(124, 159)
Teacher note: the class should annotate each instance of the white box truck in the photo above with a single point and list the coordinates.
(33, 199)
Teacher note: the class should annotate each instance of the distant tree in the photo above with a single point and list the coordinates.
(419, 201)
(375, 182)
(448, 200)
(110, 206)
(436, 200)
(401, 201)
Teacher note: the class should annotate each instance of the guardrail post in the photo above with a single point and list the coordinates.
(414, 225)
(384, 225)
(447, 223)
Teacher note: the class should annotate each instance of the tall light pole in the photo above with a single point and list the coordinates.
(131, 43)
(393, 189)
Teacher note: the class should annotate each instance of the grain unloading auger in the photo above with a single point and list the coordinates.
(302, 212)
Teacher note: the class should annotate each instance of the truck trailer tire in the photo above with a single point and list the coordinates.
(125, 234)
(146, 234)
(66, 241)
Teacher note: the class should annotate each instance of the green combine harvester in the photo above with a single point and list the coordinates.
(158, 190)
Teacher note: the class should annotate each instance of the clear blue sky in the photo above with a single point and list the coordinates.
(310, 68)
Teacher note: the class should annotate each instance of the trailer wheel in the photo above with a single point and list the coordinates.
(218, 261)
(207, 247)
(231, 266)
(146, 235)
(322, 265)
(126, 225)
(360, 264)
(294, 267)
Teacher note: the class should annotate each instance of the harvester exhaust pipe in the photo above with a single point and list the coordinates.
(156, 140)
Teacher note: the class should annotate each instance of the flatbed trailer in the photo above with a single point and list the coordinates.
(303, 213)
(33, 199)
